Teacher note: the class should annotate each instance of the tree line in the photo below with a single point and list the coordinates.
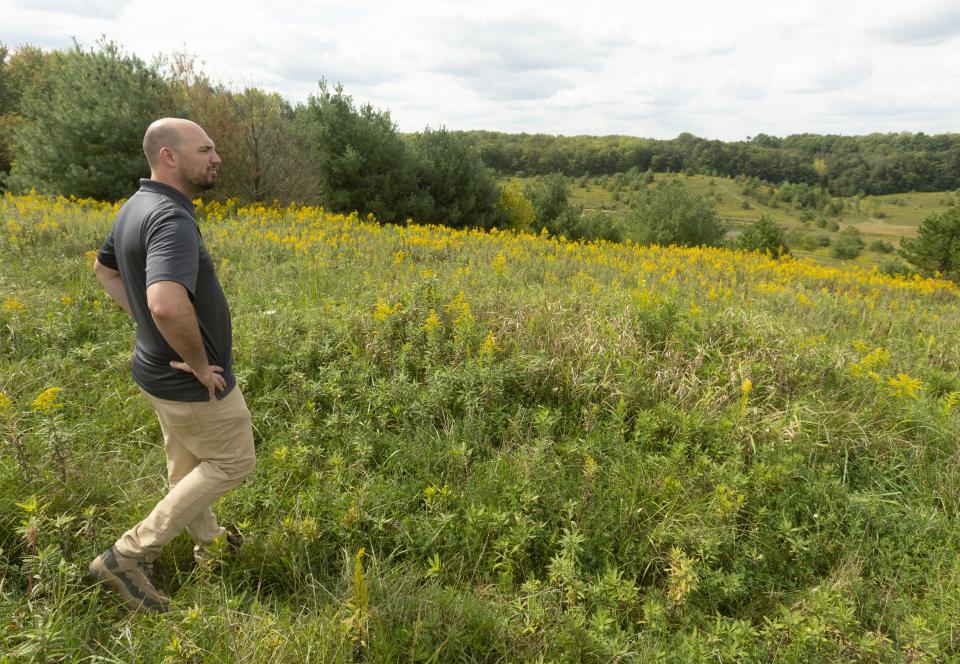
(844, 165)
(72, 123)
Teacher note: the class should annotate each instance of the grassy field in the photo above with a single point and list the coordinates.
(887, 218)
(488, 447)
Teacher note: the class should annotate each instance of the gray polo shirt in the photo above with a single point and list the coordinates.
(155, 237)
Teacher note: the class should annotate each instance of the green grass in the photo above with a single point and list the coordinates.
(547, 452)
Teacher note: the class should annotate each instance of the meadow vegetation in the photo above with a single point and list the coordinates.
(490, 446)
(810, 218)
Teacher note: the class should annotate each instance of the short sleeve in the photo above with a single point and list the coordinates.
(107, 256)
(173, 252)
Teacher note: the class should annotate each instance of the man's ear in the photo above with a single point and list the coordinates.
(167, 157)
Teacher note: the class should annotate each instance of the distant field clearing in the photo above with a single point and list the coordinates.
(877, 227)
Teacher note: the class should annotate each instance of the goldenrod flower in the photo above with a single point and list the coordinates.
(499, 264)
(383, 310)
(904, 386)
(47, 401)
(489, 346)
(12, 304)
(432, 323)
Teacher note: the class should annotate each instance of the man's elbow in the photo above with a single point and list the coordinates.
(160, 309)
(166, 300)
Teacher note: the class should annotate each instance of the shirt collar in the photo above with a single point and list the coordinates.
(166, 190)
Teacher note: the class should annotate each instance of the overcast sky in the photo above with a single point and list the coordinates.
(723, 70)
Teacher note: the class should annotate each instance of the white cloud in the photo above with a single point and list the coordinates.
(951, 65)
(741, 86)
(720, 70)
(86, 8)
(826, 74)
(939, 24)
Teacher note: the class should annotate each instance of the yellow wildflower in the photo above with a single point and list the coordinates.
(499, 264)
(878, 357)
(489, 346)
(432, 323)
(383, 310)
(47, 401)
(460, 309)
(66, 299)
(12, 304)
(904, 386)
(6, 403)
(950, 402)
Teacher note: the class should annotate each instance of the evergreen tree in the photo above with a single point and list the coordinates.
(463, 192)
(19, 70)
(361, 161)
(937, 245)
(84, 119)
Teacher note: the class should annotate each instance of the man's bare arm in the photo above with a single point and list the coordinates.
(113, 284)
(175, 317)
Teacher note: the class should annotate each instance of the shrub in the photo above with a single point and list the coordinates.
(670, 214)
(575, 224)
(550, 198)
(894, 266)
(849, 244)
(517, 210)
(764, 235)
(882, 246)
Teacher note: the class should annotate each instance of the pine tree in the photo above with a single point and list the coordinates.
(937, 245)
(84, 119)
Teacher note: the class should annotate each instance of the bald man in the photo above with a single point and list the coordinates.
(155, 266)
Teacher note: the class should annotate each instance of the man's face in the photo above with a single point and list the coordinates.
(198, 162)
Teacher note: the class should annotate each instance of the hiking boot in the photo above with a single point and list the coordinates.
(126, 577)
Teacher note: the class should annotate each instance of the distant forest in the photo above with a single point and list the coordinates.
(846, 165)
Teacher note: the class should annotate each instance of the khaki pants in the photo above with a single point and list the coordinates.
(209, 449)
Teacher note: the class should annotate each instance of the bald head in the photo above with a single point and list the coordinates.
(165, 133)
(181, 154)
